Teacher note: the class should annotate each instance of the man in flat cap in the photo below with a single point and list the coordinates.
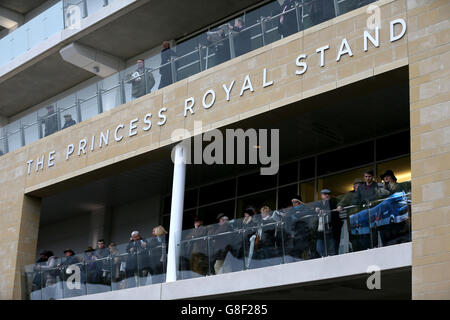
(68, 121)
(329, 225)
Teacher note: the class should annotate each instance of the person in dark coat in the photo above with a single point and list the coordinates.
(68, 121)
(138, 259)
(67, 266)
(196, 249)
(158, 257)
(219, 44)
(241, 38)
(50, 121)
(329, 225)
(368, 191)
(166, 69)
(268, 236)
(287, 22)
(102, 254)
(222, 243)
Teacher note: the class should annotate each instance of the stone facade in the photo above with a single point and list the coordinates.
(424, 47)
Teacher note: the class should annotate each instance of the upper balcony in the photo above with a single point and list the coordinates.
(230, 38)
(110, 27)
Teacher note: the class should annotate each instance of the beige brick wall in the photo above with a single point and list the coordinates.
(429, 58)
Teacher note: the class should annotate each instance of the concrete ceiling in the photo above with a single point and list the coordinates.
(343, 112)
(21, 6)
(122, 36)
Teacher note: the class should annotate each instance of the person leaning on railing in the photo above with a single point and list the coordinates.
(329, 225)
(138, 259)
(241, 38)
(140, 80)
(50, 121)
(157, 247)
(287, 21)
(165, 70)
(196, 250)
(346, 208)
(222, 243)
(299, 226)
(394, 232)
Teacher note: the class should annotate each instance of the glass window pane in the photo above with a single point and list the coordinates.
(342, 159)
(14, 141)
(401, 168)
(393, 146)
(307, 168)
(285, 195)
(31, 133)
(190, 198)
(341, 183)
(89, 108)
(111, 98)
(288, 173)
(216, 192)
(307, 191)
(209, 213)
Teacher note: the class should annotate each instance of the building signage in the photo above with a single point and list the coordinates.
(119, 133)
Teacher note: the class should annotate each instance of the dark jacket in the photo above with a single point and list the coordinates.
(69, 123)
(366, 194)
(301, 222)
(138, 257)
(51, 124)
(289, 24)
(221, 242)
(166, 70)
(197, 244)
(267, 233)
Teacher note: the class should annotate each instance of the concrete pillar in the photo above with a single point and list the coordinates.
(176, 213)
(10, 19)
(429, 62)
(100, 225)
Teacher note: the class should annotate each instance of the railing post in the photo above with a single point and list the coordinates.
(123, 98)
(200, 56)
(297, 14)
(263, 31)
(173, 70)
(231, 41)
(176, 213)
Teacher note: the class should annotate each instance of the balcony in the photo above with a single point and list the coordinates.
(347, 226)
(250, 31)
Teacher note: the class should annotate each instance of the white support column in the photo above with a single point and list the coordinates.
(176, 213)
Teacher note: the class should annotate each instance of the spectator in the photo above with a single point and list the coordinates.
(266, 246)
(50, 121)
(368, 191)
(299, 224)
(38, 280)
(329, 226)
(157, 249)
(196, 250)
(138, 259)
(48, 273)
(166, 68)
(347, 201)
(116, 261)
(70, 259)
(142, 80)
(102, 253)
(219, 44)
(390, 182)
(92, 268)
(222, 244)
(1, 152)
(287, 23)
(68, 121)
(241, 38)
